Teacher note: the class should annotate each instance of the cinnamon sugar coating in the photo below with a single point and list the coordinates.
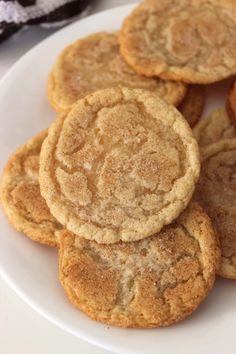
(20, 194)
(215, 127)
(119, 166)
(216, 192)
(148, 283)
(94, 63)
(184, 40)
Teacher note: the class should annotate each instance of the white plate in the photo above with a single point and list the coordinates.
(31, 269)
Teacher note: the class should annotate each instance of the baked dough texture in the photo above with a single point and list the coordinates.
(95, 63)
(231, 103)
(20, 194)
(215, 127)
(193, 41)
(120, 166)
(148, 283)
(193, 104)
(216, 192)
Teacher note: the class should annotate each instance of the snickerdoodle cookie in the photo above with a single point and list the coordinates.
(95, 63)
(121, 165)
(216, 191)
(215, 127)
(231, 103)
(192, 105)
(20, 194)
(148, 283)
(186, 40)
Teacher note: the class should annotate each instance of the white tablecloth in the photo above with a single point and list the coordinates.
(22, 330)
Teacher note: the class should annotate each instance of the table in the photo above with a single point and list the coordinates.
(22, 330)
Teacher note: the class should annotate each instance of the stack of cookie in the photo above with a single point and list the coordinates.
(114, 183)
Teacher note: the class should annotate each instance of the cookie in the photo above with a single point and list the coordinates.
(193, 104)
(95, 63)
(231, 103)
(184, 40)
(120, 166)
(20, 194)
(216, 191)
(215, 127)
(148, 283)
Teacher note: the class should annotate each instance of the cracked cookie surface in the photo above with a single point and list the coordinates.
(20, 194)
(95, 63)
(148, 283)
(186, 40)
(216, 192)
(213, 128)
(120, 166)
(192, 105)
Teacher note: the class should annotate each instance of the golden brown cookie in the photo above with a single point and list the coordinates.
(20, 194)
(192, 105)
(95, 63)
(149, 283)
(216, 191)
(184, 40)
(120, 166)
(215, 127)
(231, 103)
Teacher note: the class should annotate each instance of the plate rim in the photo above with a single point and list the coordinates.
(3, 272)
(15, 286)
(59, 31)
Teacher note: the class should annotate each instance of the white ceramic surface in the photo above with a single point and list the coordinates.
(31, 269)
